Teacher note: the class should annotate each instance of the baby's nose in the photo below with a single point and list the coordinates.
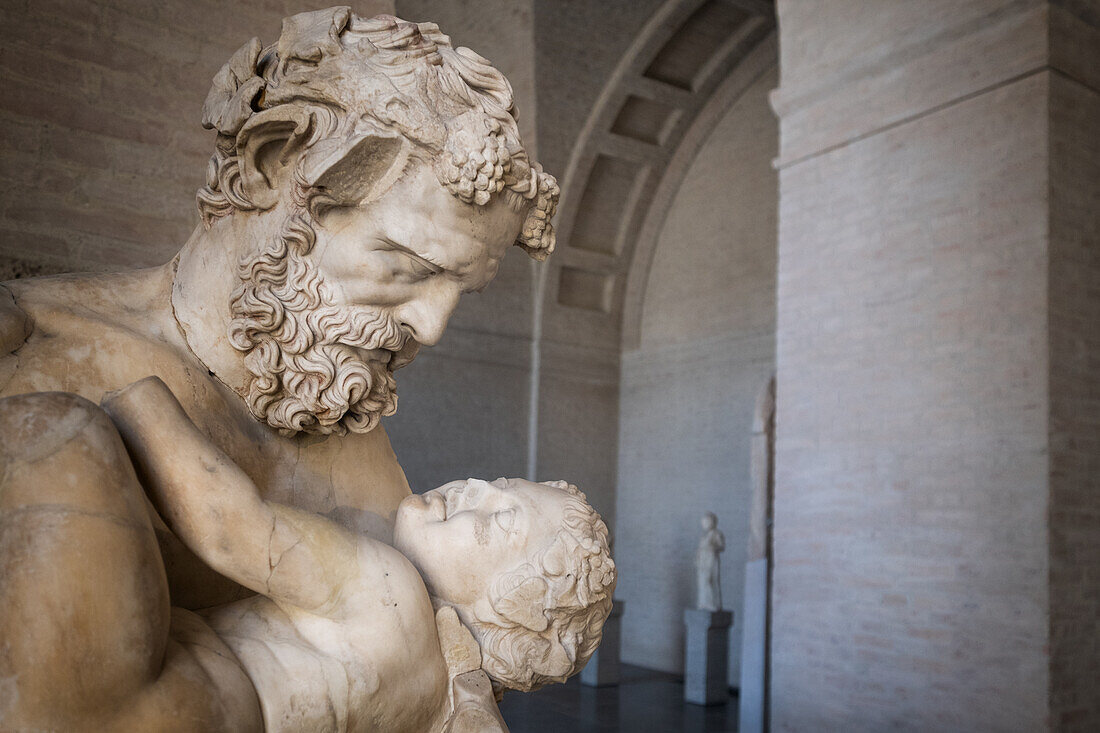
(477, 486)
(482, 489)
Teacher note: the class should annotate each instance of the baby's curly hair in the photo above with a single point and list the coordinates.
(554, 606)
(344, 75)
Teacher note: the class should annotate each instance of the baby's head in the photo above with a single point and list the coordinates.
(526, 566)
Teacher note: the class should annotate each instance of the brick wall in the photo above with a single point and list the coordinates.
(936, 509)
(102, 148)
(910, 502)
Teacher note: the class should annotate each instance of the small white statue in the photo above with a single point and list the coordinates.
(708, 595)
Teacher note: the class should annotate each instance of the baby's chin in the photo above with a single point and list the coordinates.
(403, 520)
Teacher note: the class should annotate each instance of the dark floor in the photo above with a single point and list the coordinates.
(645, 701)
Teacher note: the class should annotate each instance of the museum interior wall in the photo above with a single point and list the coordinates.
(907, 237)
(1073, 272)
(930, 509)
(579, 46)
(688, 391)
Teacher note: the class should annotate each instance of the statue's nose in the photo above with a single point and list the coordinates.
(425, 316)
(482, 489)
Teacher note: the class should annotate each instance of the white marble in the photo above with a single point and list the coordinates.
(344, 627)
(708, 583)
(366, 175)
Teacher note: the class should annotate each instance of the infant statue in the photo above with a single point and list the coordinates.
(343, 632)
(708, 595)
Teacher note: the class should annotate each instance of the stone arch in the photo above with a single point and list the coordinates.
(706, 344)
(758, 62)
(685, 68)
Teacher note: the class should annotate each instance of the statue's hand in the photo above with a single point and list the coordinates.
(473, 705)
(475, 708)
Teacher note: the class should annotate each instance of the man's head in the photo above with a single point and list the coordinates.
(526, 566)
(387, 177)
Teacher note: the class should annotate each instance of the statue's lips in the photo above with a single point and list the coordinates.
(374, 355)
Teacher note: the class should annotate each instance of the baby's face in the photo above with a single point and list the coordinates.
(461, 535)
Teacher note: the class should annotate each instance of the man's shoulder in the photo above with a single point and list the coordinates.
(87, 334)
(130, 300)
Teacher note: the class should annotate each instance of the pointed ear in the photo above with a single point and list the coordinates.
(524, 604)
(355, 169)
(267, 147)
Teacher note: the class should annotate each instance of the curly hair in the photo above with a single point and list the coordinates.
(554, 607)
(454, 108)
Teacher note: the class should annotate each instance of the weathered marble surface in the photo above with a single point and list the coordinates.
(210, 570)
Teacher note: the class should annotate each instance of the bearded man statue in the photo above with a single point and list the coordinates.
(366, 174)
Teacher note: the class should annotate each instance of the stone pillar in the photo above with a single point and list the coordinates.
(753, 693)
(706, 656)
(936, 504)
(603, 669)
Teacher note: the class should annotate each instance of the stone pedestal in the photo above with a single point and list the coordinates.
(602, 669)
(706, 653)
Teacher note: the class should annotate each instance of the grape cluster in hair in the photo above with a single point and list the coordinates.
(393, 76)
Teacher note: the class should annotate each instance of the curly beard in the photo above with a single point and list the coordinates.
(305, 354)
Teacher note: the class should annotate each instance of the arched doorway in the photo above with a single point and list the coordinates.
(665, 275)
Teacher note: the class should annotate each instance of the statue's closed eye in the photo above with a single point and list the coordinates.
(428, 266)
(505, 519)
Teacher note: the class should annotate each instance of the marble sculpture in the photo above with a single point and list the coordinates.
(202, 524)
(708, 582)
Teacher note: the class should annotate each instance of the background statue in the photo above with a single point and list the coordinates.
(708, 583)
(365, 175)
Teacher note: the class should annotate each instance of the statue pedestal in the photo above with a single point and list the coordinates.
(602, 669)
(706, 654)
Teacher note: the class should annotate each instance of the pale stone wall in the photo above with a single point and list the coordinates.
(1074, 322)
(102, 150)
(935, 503)
(688, 392)
(910, 502)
